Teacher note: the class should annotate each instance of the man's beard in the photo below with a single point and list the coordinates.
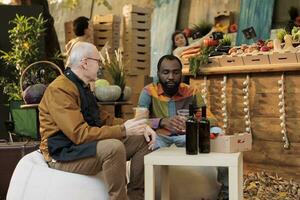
(170, 88)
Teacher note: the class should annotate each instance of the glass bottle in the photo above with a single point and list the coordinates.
(192, 126)
(204, 132)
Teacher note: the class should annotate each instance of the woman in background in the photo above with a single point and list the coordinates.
(179, 39)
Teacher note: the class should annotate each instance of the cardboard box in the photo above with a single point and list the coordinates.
(231, 61)
(231, 143)
(259, 59)
(213, 62)
(278, 58)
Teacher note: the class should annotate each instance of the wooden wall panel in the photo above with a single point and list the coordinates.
(268, 151)
(273, 153)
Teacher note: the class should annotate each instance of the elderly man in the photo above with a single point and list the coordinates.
(76, 137)
(164, 99)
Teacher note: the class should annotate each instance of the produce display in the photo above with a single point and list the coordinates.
(210, 52)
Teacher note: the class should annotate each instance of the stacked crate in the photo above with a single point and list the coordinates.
(136, 39)
(69, 34)
(107, 29)
(136, 45)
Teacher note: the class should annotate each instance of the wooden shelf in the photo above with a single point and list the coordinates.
(245, 69)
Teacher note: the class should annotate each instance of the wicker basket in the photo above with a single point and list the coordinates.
(52, 66)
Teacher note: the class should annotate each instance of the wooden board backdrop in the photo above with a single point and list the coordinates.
(256, 13)
(268, 153)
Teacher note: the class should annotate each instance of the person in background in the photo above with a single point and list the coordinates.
(83, 30)
(77, 137)
(179, 40)
(164, 98)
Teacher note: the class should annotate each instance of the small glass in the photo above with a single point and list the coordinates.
(141, 113)
(184, 114)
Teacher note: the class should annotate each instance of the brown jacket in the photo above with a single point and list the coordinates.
(59, 110)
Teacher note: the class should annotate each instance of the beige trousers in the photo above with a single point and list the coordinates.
(111, 160)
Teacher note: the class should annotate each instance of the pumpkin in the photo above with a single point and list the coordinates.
(108, 93)
(126, 93)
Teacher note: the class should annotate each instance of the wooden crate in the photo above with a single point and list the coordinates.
(136, 39)
(137, 56)
(277, 58)
(69, 34)
(231, 61)
(137, 21)
(130, 8)
(256, 59)
(107, 29)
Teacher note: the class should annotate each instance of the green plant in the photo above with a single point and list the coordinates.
(198, 61)
(202, 28)
(226, 41)
(25, 39)
(280, 34)
(115, 67)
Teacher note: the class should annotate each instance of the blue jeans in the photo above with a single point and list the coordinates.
(179, 141)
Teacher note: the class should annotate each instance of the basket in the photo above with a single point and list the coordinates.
(41, 76)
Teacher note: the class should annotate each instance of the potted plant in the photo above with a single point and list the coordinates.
(114, 66)
(25, 39)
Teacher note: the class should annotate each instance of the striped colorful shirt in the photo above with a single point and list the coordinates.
(162, 106)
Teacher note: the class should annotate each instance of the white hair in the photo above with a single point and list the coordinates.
(79, 51)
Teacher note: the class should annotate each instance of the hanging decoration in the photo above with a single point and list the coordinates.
(204, 89)
(246, 105)
(282, 117)
(224, 103)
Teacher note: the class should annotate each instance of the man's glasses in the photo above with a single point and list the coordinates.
(100, 71)
(97, 60)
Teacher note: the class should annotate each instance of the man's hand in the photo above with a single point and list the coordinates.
(140, 127)
(132, 124)
(151, 140)
(174, 124)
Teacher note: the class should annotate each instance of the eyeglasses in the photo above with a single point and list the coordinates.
(98, 61)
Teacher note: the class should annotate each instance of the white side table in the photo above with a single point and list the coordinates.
(177, 156)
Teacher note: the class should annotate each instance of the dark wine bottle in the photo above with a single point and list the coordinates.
(192, 126)
(204, 133)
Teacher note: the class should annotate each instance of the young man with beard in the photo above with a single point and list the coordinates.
(164, 98)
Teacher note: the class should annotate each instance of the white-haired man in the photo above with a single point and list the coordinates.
(76, 137)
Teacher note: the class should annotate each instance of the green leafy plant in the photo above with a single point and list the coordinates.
(226, 41)
(25, 39)
(280, 34)
(202, 28)
(199, 61)
(115, 67)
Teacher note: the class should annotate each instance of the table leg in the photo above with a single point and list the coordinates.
(118, 111)
(233, 183)
(236, 180)
(149, 183)
(165, 183)
(241, 178)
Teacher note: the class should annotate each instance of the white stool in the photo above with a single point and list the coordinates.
(34, 180)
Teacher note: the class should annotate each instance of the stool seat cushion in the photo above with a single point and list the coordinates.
(34, 180)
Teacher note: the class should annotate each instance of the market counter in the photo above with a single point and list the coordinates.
(263, 100)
